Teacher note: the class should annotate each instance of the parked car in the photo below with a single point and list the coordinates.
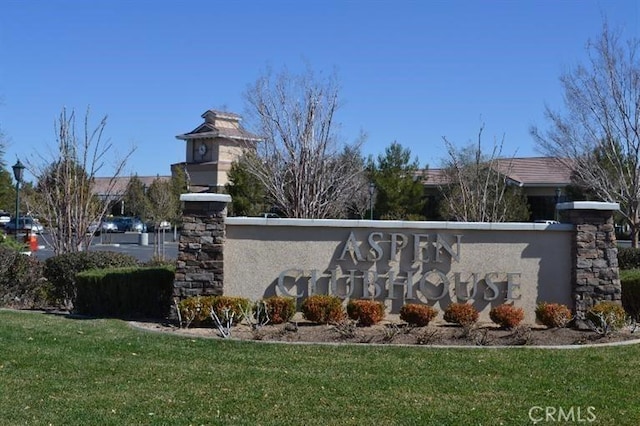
(25, 223)
(129, 224)
(108, 226)
(4, 218)
(163, 226)
(104, 226)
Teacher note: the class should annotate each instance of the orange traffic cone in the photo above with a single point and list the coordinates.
(33, 241)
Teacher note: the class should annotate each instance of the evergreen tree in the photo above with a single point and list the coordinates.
(135, 199)
(247, 192)
(7, 191)
(399, 192)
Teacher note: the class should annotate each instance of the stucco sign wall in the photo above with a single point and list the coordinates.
(435, 263)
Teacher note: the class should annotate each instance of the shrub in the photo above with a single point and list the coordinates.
(553, 315)
(366, 312)
(417, 314)
(323, 309)
(195, 310)
(279, 309)
(506, 315)
(607, 316)
(628, 258)
(236, 306)
(61, 271)
(630, 280)
(22, 284)
(461, 313)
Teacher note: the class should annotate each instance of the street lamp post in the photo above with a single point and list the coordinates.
(18, 170)
(372, 189)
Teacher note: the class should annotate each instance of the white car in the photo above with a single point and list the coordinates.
(4, 218)
(104, 226)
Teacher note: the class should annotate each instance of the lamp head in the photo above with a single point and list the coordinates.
(18, 170)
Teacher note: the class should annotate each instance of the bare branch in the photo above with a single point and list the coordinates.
(64, 191)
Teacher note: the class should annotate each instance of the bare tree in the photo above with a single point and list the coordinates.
(161, 208)
(597, 135)
(306, 170)
(477, 188)
(64, 196)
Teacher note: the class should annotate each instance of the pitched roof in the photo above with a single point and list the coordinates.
(535, 171)
(208, 130)
(101, 184)
(220, 124)
(523, 171)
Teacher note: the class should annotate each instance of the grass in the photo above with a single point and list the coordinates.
(61, 371)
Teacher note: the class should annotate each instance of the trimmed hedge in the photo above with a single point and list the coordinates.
(61, 271)
(125, 292)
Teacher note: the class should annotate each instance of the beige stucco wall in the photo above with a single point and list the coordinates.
(534, 258)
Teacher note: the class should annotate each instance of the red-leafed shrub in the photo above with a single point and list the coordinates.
(279, 309)
(507, 316)
(366, 312)
(553, 315)
(461, 313)
(416, 314)
(323, 309)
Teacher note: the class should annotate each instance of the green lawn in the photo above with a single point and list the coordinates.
(60, 371)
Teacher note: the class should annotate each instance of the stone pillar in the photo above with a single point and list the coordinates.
(199, 268)
(595, 273)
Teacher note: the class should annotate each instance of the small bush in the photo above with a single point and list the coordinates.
(553, 315)
(280, 309)
(196, 311)
(417, 314)
(630, 281)
(461, 313)
(236, 307)
(323, 309)
(366, 312)
(607, 316)
(506, 316)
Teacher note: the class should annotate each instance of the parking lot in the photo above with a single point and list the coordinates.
(129, 243)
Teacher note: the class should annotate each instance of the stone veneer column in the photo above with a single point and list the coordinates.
(199, 268)
(595, 273)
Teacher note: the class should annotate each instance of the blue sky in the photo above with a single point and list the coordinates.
(410, 71)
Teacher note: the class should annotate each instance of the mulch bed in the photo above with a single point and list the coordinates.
(399, 333)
